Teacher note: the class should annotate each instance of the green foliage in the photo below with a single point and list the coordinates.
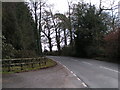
(8, 50)
(18, 29)
(93, 51)
(53, 53)
(25, 54)
(90, 30)
(9, 25)
(68, 51)
(65, 23)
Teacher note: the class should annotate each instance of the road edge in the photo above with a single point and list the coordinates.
(83, 83)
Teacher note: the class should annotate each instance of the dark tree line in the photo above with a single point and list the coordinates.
(18, 30)
(90, 30)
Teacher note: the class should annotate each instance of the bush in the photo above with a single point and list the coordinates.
(8, 51)
(54, 53)
(68, 51)
(93, 51)
(25, 54)
(112, 44)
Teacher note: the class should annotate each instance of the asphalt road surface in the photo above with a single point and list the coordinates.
(53, 77)
(96, 74)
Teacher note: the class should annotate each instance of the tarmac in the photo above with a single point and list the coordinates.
(53, 77)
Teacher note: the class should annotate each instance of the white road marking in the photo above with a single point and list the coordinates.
(109, 69)
(87, 63)
(78, 79)
(84, 84)
(73, 74)
(71, 71)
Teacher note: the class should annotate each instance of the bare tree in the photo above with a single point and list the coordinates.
(48, 28)
(64, 25)
(102, 8)
(41, 4)
(57, 31)
(36, 8)
(70, 26)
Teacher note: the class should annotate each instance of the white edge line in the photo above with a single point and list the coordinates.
(78, 79)
(73, 74)
(84, 84)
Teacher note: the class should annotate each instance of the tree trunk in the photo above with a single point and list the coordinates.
(40, 29)
(57, 34)
(36, 24)
(50, 44)
(65, 38)
(57, 40)
(70, 27)
(59, 48)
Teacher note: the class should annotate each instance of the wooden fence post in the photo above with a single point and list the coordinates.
(21, 65)
(8, 65)
(39, 62)
(32, 63)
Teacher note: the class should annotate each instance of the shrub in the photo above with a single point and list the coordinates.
(8, 51)
(68, 51)
(25, 54)
(93, 51)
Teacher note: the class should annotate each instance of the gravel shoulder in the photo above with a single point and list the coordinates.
(54, 77)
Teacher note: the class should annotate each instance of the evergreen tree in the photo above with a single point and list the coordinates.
(17, 27)
(90, 30)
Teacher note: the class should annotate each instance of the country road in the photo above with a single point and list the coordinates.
(96, 74)
(53, 77)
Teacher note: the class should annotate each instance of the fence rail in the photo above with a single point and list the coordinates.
(21, 63)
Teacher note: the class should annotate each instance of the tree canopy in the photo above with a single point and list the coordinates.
(17, 26)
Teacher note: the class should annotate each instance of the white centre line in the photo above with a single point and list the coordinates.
(87, 63)
(109, 69)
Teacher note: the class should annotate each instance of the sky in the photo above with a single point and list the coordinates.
(62, 5)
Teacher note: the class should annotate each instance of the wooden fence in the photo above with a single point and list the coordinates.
(12, 64)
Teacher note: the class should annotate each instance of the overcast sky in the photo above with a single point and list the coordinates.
(62, 5)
